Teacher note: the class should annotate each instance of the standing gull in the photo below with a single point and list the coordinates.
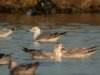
(45, 38)
(6, 32)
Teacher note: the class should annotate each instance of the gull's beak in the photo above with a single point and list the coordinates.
(63, 48)
(27, 30)
(13, 29)
(30, 30)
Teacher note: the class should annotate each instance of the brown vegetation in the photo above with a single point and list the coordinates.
(62, 5)
(16, 5)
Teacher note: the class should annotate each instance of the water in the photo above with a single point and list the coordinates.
(83, 31)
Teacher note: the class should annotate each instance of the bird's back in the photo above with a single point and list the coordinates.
(38, 54)
(28, 69)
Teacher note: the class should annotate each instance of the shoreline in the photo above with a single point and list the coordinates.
(48, 7)
(58, 19)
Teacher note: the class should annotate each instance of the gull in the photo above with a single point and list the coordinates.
(78, 52)
(44, 54)
(26, 69)
(45, 38)
(4, 58)
(6, 32)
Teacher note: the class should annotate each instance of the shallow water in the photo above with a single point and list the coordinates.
(83, 31)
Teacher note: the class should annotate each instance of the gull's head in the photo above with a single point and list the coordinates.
(58, 48)
(57, 52)
(35, 30)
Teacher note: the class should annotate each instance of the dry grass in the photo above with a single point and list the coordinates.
(17, 4)
(76, 3)
(62, 3)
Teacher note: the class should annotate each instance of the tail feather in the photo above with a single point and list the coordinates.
(58, 34)
(94, 47)
(25, 49)
(91, 51)
(63, 33)
(34, 65)
(5, 55)
(8, 55)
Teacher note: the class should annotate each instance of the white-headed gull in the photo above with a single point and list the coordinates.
(38, 36)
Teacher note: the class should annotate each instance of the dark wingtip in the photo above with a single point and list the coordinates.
(34, 65)
(9, 55)
(37, 63)
(63, 33)
(91, 51)
(94, 46)
(13, 29)
(25, 49)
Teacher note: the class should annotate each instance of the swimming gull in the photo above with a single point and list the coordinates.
(78, 52)
(44, 54)
(25, 69)
(6, 32)
(46, 38)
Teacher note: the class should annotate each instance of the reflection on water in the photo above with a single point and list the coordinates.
(7, 38)
(83, 31)
(93, 19)
(36, 43)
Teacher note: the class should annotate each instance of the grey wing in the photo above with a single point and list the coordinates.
(88, 50)
(77, 51)
(40, 53)
(52, 35)
(46, 53)
(17, 70)
(44, 36)
(81, 51)
(20, 68)
(73, 51)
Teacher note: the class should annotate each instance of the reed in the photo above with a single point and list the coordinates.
(17, 5)
(77, 5)
(62, 5)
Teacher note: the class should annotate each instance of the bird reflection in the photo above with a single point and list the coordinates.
(36, 43)
(6, 38)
